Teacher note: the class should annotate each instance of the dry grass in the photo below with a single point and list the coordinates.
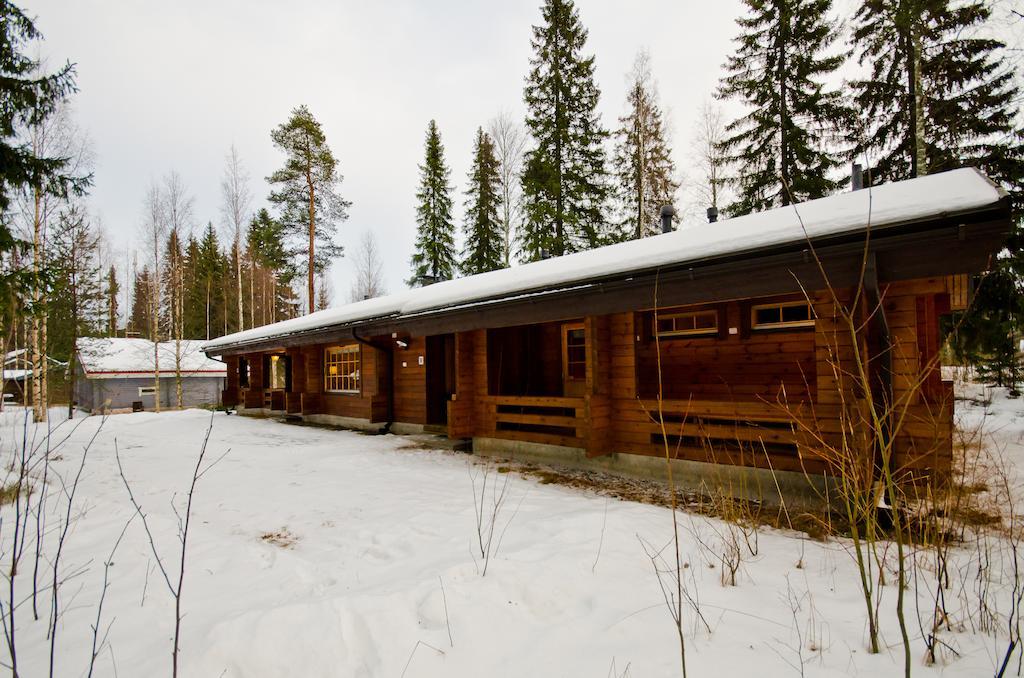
(280, 538)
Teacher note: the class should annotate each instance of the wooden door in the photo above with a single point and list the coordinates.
(574, 359)
(440, 376)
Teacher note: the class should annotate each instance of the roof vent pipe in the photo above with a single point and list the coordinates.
(667, 212)
(712, 214)
(857, 177)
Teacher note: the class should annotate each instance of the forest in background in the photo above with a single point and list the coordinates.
(933, 91)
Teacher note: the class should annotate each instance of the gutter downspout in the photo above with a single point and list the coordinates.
(877, 311)
(390, 351)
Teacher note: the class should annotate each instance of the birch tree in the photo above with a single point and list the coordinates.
(154, 230)
(509, 139)
(236, 207)
(54, 135)
(707, 157)
(177, 213)
(368, 269)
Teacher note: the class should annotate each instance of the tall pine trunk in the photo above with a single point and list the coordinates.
(312, 238)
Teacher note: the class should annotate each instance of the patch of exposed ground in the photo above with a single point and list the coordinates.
(280, 538)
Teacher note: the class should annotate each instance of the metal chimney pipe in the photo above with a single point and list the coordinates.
(857, 177)
(712, 214)
(667, 212)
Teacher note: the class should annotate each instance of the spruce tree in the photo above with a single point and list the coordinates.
(271, 295)
(485, 234)
(936, 94)
(434, 258)
(643, 163)
(27, 97)
(139, 322)
(209, 276)
(77, 301)
(565, 185)
(306, 192)
(778, 150)
(193, 298)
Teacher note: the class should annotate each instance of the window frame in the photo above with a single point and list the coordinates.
(149, 391)
(281, 360)
(781, 324)
(566, 371)
(342, 350)
(695, 332)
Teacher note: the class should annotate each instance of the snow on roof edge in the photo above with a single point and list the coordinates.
(892, 204)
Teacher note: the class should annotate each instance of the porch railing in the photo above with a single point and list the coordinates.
(542, 419)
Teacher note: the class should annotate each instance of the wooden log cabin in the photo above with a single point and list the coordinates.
(735, 324)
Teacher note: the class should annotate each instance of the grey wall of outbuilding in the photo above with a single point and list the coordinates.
(121, 392)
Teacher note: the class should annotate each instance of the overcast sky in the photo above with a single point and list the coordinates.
(171, 85)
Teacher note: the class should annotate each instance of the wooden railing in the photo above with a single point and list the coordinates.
(253, 398)
(541, 419)
(745, 433)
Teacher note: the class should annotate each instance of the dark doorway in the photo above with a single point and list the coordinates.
(440, 377)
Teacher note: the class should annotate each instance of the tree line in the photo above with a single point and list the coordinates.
(930, 92)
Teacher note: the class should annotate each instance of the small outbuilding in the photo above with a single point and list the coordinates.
(117, 373)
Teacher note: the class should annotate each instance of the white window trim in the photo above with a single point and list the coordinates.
(359, 372)
(147, 391)
(701, 332)
(754, 325)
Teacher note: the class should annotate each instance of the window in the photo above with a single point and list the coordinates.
(243, 373)
(277, 372)
(575, 356)
(341, 369)
(781, 315)
(693, 323)
(147, 391)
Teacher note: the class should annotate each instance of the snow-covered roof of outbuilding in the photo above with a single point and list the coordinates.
(119, 357)
(897, 203)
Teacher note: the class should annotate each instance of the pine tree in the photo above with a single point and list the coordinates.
(307, 194)
(936, 95)
(642, 161)
(778, 150)
(112, 289)
(564, 176)
(485, 234)
(434, 258)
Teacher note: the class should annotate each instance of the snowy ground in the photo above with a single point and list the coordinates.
(323, 553)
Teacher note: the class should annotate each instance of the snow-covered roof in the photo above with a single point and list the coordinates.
(12, 356)
(119, 357)
(15, 375)
(929, 197)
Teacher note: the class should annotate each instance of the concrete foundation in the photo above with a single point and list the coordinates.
(743, 482)
(345, 422)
